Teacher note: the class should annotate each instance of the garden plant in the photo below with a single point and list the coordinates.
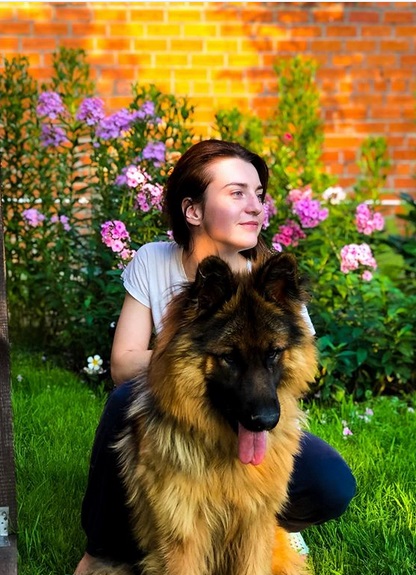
(82, 191)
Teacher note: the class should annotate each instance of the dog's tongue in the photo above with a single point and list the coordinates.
(251, 445)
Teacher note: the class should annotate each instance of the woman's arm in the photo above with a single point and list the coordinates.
(130, 353)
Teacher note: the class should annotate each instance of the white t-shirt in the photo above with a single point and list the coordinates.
(156, 273)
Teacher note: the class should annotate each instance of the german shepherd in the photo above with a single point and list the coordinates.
(213, 429)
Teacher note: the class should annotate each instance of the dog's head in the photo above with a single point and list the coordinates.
(244, 339)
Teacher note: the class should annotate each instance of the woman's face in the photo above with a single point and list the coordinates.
(232, 214)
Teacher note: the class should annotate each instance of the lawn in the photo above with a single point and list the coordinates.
(55, 416)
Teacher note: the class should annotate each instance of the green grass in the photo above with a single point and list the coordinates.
(55, 416)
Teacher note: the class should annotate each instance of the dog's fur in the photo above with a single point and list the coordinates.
(234, 356)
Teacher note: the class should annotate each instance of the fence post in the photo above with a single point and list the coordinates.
(8, 507)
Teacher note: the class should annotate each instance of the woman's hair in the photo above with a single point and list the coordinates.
(191, 177)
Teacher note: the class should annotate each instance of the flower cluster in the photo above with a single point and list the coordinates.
(270, 210)
(289, 234)
(64, 220)
(355, 255)
(117, 124)
(367, 221)
(309, 212)
(33, 217)
(334, 195)
(149, 195)
(115, 236)
(91, 111)
(155, 151)
(50, 105)
(52, 135)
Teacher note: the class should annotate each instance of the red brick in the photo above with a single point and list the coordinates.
(50, 28)
(363, 16)
(329, 14)
(17, 28)
(341, 31)
(399, 17)
(9, 44)
(292, 16)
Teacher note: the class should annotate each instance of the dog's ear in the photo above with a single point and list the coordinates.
(278, 279)
(214, 284)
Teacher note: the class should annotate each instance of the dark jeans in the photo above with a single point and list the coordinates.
(321, 487)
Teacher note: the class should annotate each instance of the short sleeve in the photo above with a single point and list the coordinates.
(136, 277)
(307, 319)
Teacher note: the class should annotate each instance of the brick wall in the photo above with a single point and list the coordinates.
(221, 54)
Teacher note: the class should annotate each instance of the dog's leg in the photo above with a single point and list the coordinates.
(285, 560)
(181, 557)
(99, 567)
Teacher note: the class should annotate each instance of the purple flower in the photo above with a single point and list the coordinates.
(64, 220)
(155, 151)
(52, 135)
(91, 111)
(114, 126)
(270, 210)
(33, 217)
(146, 111)
(309, 212)
(50, 105)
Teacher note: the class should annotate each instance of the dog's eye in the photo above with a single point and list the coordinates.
(273, 354)
(228, 359)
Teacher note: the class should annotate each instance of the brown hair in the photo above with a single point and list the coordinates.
(191, 177)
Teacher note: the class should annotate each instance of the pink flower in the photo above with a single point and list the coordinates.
(289, 234)
(114, 235)
(346, 432)
(296, 195)
(367, 276)
(270, 210)
(287, 138)
(33, 217)
(355, 255)
(367, 221)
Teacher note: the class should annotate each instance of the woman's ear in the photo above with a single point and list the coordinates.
(192, 212)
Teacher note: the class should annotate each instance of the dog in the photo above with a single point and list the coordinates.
(214, 425)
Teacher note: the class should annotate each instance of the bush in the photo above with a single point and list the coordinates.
(83, 191)
(364, 323)
(69, 169)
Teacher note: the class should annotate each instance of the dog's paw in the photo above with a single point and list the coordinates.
(285, 560)
(99, 567)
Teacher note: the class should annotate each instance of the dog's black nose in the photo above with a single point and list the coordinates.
(264, 421)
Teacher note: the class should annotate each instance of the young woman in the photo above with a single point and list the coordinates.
(214, 202)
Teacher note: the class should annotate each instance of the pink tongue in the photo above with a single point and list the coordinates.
(251, 445)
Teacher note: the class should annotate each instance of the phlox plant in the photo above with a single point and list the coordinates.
(82, 190)
(357, 310)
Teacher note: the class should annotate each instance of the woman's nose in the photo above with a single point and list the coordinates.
(254, 205)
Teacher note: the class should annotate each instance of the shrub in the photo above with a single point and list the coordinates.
(68, 169)
(356, 310)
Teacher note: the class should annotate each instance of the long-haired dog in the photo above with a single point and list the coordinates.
(214, 426)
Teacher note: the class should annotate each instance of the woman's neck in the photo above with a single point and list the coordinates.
(192, 257)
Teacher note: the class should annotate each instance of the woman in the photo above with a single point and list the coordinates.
(214, 201)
